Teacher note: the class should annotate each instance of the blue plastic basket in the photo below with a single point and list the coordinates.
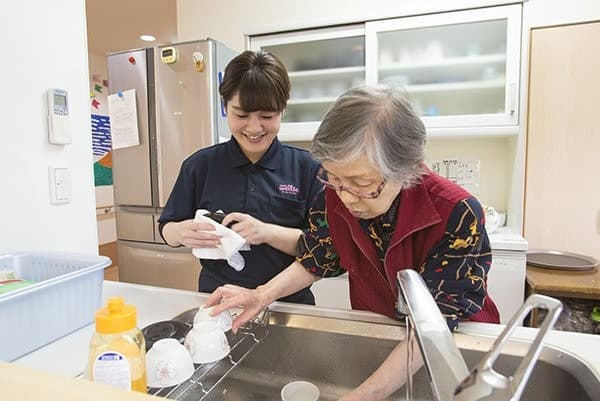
(66, 294)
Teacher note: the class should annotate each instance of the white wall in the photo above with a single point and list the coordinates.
(493, 154)
(44, 46)
(547, 12)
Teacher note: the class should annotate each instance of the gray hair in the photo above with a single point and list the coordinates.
(378, 121)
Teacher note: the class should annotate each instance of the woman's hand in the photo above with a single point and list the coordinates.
(254, 231)
(196, 234)
(360, 394)
(231, 296)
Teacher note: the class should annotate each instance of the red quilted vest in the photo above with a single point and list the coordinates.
(420, 223)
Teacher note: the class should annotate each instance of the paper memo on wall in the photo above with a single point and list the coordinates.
(123, 119)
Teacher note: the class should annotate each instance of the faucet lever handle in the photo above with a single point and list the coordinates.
(485, 382)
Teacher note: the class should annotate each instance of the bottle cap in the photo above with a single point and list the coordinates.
(596, 314)
(116, 317)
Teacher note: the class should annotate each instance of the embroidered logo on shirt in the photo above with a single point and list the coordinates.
(288, 189)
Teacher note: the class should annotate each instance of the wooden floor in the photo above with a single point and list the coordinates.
(112, 272)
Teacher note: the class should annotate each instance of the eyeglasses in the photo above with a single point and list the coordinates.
(322, 177)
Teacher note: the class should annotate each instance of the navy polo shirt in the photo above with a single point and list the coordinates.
(277, 189)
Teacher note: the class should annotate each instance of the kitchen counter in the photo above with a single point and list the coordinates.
(564, 283)
(68, 356)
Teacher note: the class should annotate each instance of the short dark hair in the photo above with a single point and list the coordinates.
(260, 79)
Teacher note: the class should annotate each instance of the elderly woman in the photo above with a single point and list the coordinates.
(382, 211)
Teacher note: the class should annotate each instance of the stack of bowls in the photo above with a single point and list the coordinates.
(207, 342)
(173, 348)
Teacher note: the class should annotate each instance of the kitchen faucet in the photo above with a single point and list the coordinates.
(450, 377)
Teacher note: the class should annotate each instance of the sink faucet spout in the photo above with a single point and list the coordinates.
(441, 357)
(450, 377)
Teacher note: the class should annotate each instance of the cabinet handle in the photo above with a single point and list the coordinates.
(513, 98)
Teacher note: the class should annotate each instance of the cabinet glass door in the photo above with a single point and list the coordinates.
(322, 64)
(459, 68)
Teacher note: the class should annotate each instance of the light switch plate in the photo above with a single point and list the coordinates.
(59, 178)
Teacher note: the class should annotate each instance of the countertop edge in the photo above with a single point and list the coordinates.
(68, 355)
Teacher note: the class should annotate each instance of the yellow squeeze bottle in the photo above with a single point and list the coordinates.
(117, 348)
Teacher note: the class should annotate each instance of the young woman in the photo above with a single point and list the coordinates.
(265, 187)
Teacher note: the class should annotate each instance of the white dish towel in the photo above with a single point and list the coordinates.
(231, 244)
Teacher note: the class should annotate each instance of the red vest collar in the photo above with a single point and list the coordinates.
(415, 211)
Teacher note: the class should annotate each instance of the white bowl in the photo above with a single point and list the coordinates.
(300, 391)
(206, 342)
(223, 319)
(168, 363)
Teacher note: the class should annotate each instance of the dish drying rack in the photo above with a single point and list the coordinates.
(208, 375)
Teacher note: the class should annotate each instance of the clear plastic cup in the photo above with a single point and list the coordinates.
(168, 363)
(206, 342)
(300, 391)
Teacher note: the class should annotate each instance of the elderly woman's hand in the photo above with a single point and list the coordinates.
(254, 231)
(358, 395)
(231, 296)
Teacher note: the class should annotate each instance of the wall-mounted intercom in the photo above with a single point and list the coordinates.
(59, 120)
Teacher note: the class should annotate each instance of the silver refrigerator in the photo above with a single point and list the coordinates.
(179, 111)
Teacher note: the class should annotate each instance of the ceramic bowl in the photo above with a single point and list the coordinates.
(206, 342)
(168, 363)
(223, 319)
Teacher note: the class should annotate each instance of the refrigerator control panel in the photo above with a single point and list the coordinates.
(59, 122)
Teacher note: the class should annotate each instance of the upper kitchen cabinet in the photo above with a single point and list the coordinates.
(461, 68)
(322, 64)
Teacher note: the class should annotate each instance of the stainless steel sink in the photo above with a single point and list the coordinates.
(338, 350)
